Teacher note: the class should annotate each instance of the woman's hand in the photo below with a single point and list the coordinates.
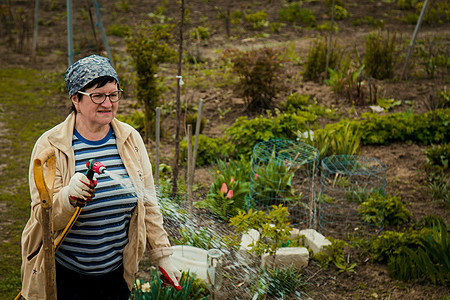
(81, 189)
(171, 274)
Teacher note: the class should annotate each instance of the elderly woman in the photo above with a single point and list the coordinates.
(100, 256)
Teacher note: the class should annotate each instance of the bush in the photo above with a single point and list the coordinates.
(257, 20)
(293, 13)
(430, 260)
(245, 133)
(340, 13)
(438, 155)
(136, 120)
(199, 33)
(191, 119)
(379, 209)
(379, 58)
(317, 60)
(208, 150)
(260, 76)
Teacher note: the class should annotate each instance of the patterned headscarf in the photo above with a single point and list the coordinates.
(87, 69)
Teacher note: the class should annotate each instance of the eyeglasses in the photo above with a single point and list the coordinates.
(99, 98)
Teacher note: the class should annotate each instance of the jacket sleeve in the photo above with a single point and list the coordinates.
(158, 243)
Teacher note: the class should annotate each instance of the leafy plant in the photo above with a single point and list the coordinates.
(438, 155)
(136, 120)
(379, 58)
(149, 46)
(260, 76)
(279, 283)
(335, 254)
(200, 238)
(293, 13)
(387, 104)
(384, 209)
(430, 260)
(192, 120)
(208, 149)
(317, 59)
(257, 20)
(191, 288)
(272, 183)
(273, 227)
(200, 33)
(438, 186)
(226, 196)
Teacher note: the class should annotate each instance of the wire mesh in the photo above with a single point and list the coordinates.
(347, 181)
(285, 172)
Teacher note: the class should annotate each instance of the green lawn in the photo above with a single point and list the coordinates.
(30, 103)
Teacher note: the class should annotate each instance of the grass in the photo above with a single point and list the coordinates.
(29, 104)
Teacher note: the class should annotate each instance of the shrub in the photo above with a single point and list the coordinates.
(335, 254)
(340, 13)
(317, 60)
(293, 13)
(200, 33)
(389, 243)
(208, 150)
(245, 133)
(406, 4)
(191, 119)
(379, 209)
(272, 225)
(438, 155)
(430, 260)
(260, 76)
(118, 30)
(149, 47)
(257, 20)
(136, 120)
(379, 58)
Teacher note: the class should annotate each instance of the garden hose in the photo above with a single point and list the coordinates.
(93, 167)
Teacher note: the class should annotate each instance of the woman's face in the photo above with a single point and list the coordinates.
(96, 115)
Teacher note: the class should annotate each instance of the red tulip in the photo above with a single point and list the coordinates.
(230, 194)
(224, 188)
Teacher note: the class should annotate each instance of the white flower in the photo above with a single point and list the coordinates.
(137, 284)
(146, 287)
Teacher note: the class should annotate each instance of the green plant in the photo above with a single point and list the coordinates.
(245, 133)
(406, 4)
(273, 227)
(438, 186)
(379, 58)
(197, 237)
(149, 46)
(296, 101)
(389, 243)
(335, 254)
(432, 55)
(191, 288)
(200, 33)
(260, 76)
(279, 283)
(387, 104)
(192, 120)
(340, 13)
(123, 5)
(226, 197)
(293, 13)
(384, 209)
(430, 260)
(272, 183)
(118, 30)
(257, 20)
(136, 120)
(438, 155)
(208, 149)
(317, 57)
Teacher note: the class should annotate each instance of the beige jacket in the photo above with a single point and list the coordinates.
(146, 224)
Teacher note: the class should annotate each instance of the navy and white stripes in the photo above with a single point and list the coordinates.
(96, 241)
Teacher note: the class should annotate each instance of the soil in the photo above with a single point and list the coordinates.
(405, 161)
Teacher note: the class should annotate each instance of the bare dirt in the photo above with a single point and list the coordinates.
(404, 161)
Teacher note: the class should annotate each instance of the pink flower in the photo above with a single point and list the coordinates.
(230, 194)
(232, 180)
(256, 176)
(224, 188)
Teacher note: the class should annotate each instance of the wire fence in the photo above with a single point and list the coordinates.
(346, 182)
(285, 172)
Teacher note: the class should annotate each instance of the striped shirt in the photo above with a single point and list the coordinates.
(95, 243)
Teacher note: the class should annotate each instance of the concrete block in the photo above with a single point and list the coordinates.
(298, 257)
(314, 240)
(243, 255)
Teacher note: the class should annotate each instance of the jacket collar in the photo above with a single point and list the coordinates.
(62, 138)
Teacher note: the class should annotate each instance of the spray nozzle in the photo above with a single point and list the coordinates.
(94, 167)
